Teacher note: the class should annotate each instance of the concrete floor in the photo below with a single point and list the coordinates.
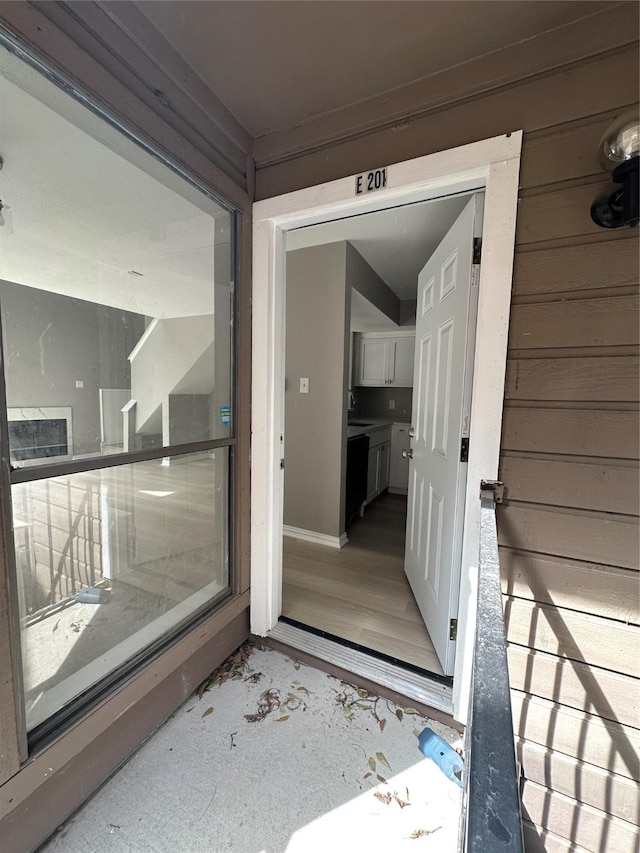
(275, 757)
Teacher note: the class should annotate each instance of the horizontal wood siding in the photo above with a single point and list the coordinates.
(568, 529)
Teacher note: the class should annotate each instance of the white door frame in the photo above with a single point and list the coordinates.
(492, 164)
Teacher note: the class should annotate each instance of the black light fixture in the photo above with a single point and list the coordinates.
(619, 150)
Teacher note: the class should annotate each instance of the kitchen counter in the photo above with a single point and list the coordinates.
(371, 425)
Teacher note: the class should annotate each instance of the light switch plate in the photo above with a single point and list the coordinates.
(304, 386)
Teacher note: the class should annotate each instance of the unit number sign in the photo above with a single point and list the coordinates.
(369, 181)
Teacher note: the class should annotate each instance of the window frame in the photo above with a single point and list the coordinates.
(22, 745)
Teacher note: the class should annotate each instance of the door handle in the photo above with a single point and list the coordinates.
(412, 432)
(407, 454)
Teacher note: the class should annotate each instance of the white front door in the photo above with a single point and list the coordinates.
(445, 323)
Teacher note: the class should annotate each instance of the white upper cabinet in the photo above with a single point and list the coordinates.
(402, 361)
(372, 362)
(385, 360)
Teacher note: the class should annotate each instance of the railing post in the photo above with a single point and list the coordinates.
(491, 820)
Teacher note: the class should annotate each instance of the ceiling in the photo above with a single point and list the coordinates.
(276, 64)
(79, 216)
(396, 242)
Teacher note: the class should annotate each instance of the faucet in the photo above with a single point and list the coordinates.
(352, 400)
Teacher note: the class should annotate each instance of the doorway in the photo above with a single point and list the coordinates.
(354, 281)
(492, 165)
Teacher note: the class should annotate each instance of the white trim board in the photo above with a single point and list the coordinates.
(317, 538)
(492, 165)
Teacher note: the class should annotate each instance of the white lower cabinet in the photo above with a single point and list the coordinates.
(379, 462)
(399, 468)
(372, 474)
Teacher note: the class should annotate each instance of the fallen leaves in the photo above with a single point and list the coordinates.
(372, 764)
(273, 700)
(387, 797)
(384, 798)
(381, 758)
(233, 668)
(420, 833)
(269, 701)
(207, 712)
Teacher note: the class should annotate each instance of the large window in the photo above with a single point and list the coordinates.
(116, 301)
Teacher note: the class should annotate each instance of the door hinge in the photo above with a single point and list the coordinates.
(477, 249)
(464, 449)
(282, 463)
(453, 629)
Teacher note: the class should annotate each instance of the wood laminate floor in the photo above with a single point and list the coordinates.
(360, 592)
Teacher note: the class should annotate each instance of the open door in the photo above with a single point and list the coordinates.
(445, 333)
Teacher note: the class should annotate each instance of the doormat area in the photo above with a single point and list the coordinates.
(273, 756)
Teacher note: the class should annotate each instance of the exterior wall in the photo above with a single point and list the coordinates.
(568, 528)
(149, 95)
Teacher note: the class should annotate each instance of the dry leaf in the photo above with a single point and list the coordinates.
(382, 724)
(362, 693)
(384, 798)
(55, 627)
(399, 714)
(207, 712)
(382, 759)
(381, 779)
(282, 719)
(410, 711)
(416, 732)
(372, 764)
(296, 664)
(366, 775)
(420, 833)
(400, 802)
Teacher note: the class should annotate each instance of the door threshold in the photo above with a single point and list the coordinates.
(434, 691)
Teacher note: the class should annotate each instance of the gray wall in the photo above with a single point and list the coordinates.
(408, 308)
(366, 281)
(50, 341)
(317, 333)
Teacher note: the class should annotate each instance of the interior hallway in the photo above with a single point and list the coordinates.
(360, 592)
(276, 757)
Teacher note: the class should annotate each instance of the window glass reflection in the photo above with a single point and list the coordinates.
(109, 561)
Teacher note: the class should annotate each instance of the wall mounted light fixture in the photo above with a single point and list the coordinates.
(619, 150)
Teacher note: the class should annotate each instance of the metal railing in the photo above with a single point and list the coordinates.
(491, 820)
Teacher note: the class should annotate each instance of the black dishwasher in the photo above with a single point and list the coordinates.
(357, 466)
